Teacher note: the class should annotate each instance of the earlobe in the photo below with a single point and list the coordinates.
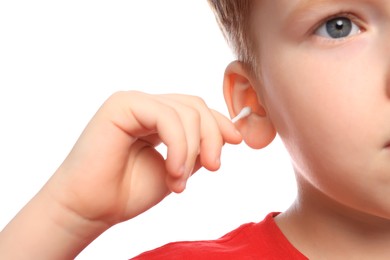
(256, 129)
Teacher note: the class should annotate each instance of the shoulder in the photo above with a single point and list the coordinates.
(249, 241)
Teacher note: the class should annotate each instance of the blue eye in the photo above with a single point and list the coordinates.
(336, 28)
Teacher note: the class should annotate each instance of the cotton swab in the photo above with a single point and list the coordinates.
(246, 111)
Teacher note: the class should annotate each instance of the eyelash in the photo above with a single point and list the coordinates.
(353, 18)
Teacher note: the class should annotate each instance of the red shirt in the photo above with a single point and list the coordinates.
(263, 240)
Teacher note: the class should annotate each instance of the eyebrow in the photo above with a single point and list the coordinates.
(306, 10)
(306, 5)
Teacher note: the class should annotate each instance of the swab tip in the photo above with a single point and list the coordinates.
(245, 111)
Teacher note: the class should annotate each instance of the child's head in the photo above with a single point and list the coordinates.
(321, 81)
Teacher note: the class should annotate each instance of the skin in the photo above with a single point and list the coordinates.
(134, 175)
(328, 99)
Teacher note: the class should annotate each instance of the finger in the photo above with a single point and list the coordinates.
(154, 139)
(192, 123)
(191, 119)
(216, 129)
(229, 131)
(143, 114)
(211, 138)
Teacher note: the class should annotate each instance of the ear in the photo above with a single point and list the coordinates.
(257, 129)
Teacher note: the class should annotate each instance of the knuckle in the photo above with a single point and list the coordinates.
(198, 101)
(121, 96)
(115, 96)
(170, 111)
(194, 115)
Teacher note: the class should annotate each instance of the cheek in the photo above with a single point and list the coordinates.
(319, 101)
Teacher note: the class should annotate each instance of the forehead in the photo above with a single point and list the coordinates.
(276, 12)
(300, 5)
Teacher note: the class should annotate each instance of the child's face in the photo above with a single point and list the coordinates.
(329, 97)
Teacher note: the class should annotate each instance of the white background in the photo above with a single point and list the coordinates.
(59, 60)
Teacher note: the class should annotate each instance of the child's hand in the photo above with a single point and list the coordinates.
(114, 172)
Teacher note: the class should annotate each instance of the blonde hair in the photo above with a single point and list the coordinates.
(233, 17)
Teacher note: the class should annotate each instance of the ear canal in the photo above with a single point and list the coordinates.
(246, 111)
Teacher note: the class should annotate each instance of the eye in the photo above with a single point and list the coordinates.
(336, 28)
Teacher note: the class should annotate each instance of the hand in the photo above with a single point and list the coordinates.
(114, 172)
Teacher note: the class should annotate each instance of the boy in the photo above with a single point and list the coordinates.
(314, 71)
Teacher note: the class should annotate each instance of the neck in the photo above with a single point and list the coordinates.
(322, 228)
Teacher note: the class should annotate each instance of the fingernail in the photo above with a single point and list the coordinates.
(190, 172)
(218, 161)
(182, 170)
(183, 184)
